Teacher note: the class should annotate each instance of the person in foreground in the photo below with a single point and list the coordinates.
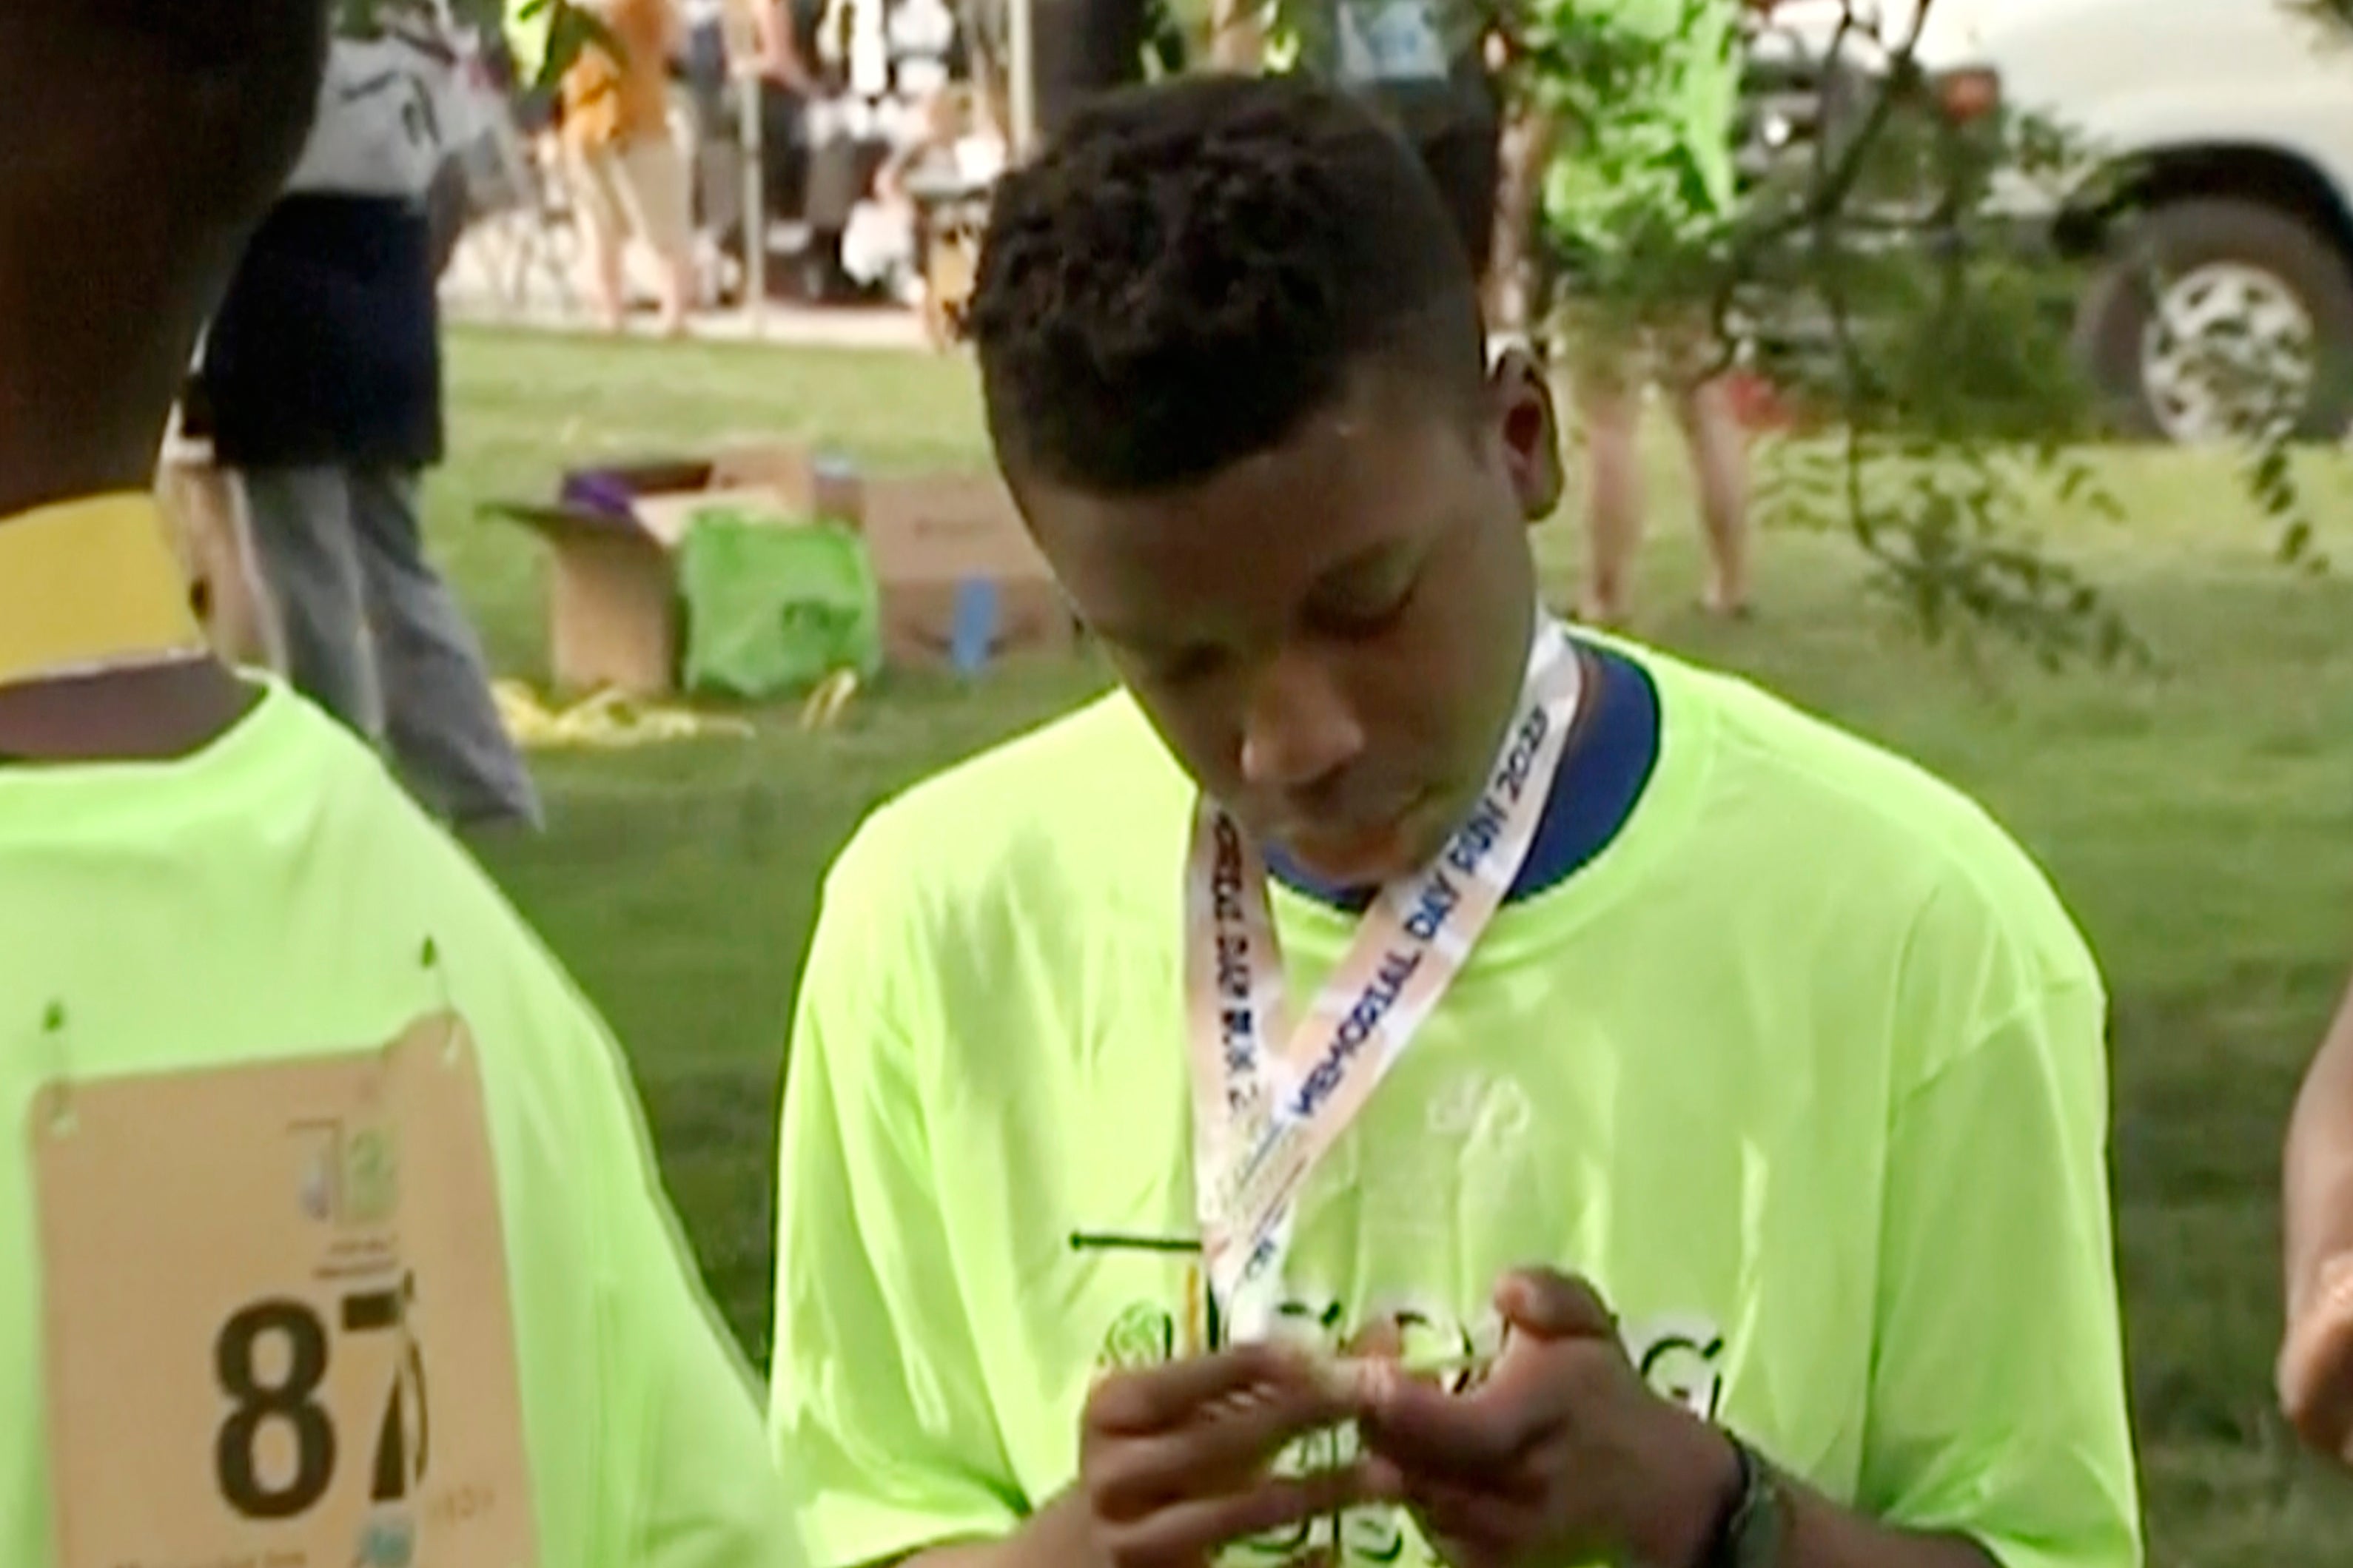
(328, 1231)
(2315, 1363)
(1733, 1191)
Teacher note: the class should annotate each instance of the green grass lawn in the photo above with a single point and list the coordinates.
(2199, 822)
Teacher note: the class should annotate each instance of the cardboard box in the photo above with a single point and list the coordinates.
(962, 583)
(614, 617)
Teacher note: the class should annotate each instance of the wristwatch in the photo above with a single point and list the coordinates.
(1750, 1534)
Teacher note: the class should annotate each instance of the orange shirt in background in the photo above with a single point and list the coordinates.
(609, 103)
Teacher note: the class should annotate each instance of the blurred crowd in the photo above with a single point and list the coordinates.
(877, 128)
(862, 110)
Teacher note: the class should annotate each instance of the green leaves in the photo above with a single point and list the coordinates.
(1945, 527)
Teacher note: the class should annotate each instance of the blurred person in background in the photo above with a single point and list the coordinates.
(704, 27)
(1614, 360)
(919, 120)
(711, 74)
(1432, 69)
(321, 380)
(926, 51)
(880, 60)
(627, 177)
(772, 43)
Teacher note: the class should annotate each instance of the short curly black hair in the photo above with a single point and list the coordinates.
(1192, 270)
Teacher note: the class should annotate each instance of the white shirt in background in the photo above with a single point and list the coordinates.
(379, 128)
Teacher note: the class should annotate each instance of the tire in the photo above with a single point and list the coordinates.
(2176, 240)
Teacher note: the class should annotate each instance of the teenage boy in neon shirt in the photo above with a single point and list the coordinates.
(1741, 1201)
(327, 1220)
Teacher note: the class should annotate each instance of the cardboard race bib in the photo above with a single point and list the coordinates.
(277, 1323)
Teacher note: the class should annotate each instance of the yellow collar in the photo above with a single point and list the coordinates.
(90, 586)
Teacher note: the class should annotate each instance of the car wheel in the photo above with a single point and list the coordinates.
(2215, 318)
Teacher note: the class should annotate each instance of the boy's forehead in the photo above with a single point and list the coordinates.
(1384, 428)
(1351, 482)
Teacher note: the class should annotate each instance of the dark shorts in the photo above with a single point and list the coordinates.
(326, 351)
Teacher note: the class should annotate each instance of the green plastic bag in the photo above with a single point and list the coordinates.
(773, 608)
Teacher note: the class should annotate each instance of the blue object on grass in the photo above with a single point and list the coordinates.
(598, 491)
(973, 635)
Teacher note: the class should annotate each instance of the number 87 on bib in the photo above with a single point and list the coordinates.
(276, 1318)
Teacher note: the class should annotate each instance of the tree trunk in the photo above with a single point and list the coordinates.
(1515, 283)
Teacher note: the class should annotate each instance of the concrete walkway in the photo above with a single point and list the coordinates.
(786, 326)
(510, 273)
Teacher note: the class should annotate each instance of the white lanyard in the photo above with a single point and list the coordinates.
(1269, 1099)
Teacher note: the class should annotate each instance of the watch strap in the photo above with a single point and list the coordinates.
(1750, 1534)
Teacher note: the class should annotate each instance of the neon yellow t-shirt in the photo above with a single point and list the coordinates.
(264, 906)
(1805, 1071)
(1668, 159)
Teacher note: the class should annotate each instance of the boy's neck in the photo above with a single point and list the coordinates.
(159, 713)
